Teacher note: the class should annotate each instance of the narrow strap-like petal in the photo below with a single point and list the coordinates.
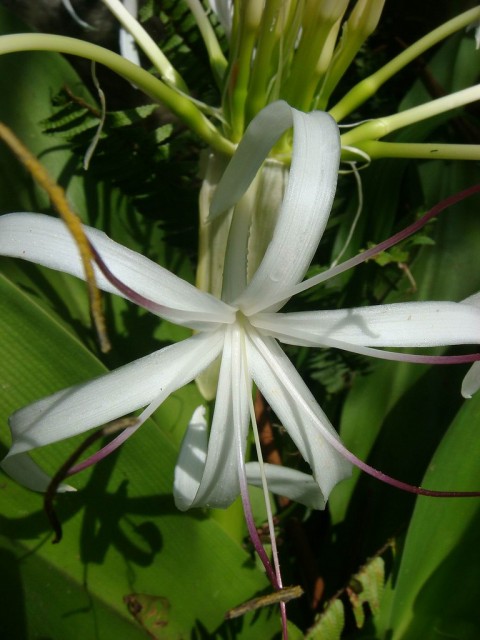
(409, 324)
(85, 406)
(471, 382)
(219, 485)
(127, 44)
(288, 482)
(191, 461)
(46, 241)
(297, 410)
(308, 196)
(27, 473)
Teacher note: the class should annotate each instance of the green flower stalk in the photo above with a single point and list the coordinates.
(278, 49)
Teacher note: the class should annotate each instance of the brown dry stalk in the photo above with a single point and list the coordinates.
(282, 595)
(73, 223)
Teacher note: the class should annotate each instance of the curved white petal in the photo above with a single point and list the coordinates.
(288, 482)
(306, 204)
(27, 473)
(409, 324)
(223, 9)
(190, 466)
(471, 382)
(260, 136)
(90, 404)
(219, 485)
(298, 411)
(191, 461)
(473, 299)
(46, 241)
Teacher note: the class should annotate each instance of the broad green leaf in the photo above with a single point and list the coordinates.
(436, 590)
(38, 598)
(441, 272)
(122, 533)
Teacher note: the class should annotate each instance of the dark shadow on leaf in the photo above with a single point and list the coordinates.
(12, 598)
(409, 437)
(109, 519)
(454, 584)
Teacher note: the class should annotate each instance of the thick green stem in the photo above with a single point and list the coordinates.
(360, 25)
(381, 127)
(244, 36)
(369, 86)
(424, 151)
(147, 44)
(179, 104)
(320, 19)
(261, 73)
(217, 60)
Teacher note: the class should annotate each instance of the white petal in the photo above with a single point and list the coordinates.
(128, 47)
(191, 461)
(27, 473)
(304, 212)
(46, 241)
(224, 12)
(260, 136)
(471, 382)
(410, 324)
(298, 411)
(115, 394)
(219, 485)
(474, 300)
(291, 483)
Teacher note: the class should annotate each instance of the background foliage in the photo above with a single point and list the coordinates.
(130, 564)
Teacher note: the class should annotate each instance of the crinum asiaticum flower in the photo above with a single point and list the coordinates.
(242, 329)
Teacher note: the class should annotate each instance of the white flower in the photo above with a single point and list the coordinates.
(244, 330)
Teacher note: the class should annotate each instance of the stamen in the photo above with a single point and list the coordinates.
(252, 529)
(64, 471)
(266, 494)
(370, 253)
(120, 439)
(277, 576)
(303, 338)
(414, 358)
(127, 291)
(337, 444)
(390, 242)
(109, 448)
